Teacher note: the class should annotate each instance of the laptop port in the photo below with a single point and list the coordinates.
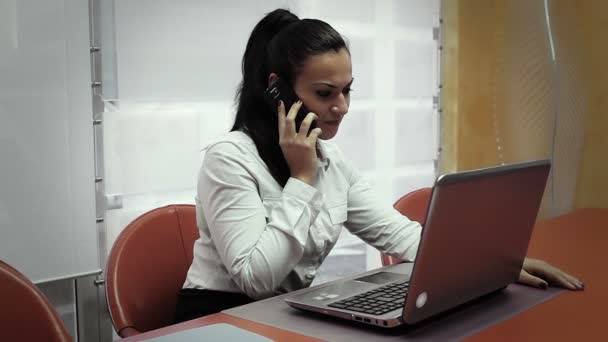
(367, 320)
(384, 322)
(357, 318)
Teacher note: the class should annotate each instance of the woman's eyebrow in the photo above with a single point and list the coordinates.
(329, 84)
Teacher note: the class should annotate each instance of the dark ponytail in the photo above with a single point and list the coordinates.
(279, 43)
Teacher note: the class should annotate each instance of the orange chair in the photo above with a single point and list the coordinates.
(147, 267)
(413, 205)
(26, 313)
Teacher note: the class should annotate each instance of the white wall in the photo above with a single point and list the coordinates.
(47, 189)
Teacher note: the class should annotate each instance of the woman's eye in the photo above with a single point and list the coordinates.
(323, 93)
(347, 90)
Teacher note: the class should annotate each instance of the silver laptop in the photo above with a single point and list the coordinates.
(474, 242)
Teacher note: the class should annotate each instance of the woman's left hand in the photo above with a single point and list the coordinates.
(538, 273)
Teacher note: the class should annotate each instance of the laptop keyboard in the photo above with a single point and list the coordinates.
(377, 301)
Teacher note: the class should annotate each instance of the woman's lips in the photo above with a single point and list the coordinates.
(332, 123)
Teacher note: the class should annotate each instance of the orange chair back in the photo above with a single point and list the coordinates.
(147, 267)
(413, 205)
(26, 313)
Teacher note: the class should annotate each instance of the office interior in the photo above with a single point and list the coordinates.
(106, 107)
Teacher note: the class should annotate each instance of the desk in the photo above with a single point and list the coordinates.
(577, 242)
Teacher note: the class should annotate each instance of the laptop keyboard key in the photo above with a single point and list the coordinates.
(385, 299)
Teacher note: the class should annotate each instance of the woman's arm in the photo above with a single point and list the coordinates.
(393, 234)
(378, 223)
(259, 243)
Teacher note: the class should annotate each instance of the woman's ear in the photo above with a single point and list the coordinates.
(272, 77)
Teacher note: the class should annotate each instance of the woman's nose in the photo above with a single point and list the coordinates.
(341, 105)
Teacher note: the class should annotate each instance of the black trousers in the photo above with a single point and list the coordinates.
(195, 303)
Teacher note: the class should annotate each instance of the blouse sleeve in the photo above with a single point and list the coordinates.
(379, 224)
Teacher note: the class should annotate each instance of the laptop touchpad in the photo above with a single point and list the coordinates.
(382, 278)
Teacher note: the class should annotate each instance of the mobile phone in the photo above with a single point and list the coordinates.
(280, 90)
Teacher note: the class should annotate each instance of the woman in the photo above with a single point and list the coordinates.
(273, 197)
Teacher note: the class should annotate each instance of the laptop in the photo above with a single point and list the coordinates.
(473, 244)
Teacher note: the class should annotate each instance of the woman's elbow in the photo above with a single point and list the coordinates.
(257, 285)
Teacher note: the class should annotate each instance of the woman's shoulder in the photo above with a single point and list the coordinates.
(332, 155)
(232, 142)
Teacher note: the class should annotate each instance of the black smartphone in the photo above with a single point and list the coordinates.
(280, 90)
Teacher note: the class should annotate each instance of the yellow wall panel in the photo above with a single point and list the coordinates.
(518, 87)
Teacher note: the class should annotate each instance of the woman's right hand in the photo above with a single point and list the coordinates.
(299, 147)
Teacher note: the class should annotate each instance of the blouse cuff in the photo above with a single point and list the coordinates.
(302, 191)
(298, 191)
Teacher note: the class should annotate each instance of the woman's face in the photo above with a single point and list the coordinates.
(323, 84)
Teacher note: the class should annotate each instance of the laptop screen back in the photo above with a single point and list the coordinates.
(476, 236)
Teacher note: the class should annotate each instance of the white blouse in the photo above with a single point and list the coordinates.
(261, 239)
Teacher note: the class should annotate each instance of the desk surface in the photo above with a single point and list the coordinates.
(576, 242)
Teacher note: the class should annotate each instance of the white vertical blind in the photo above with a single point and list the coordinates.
(47, 200)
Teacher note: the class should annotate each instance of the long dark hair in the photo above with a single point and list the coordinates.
(279, 43)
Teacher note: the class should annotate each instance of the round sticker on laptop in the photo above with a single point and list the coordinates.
(421, 300)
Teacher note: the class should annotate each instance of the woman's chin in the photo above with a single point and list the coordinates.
(328, 133)
(327, 136)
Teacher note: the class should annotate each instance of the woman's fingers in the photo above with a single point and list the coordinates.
(314, 135)
(305, 125)
(299, 149)
(529, 279)
(290, 119)
(281, 113)
(563, 279)
(579, 284)
(565, 282)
